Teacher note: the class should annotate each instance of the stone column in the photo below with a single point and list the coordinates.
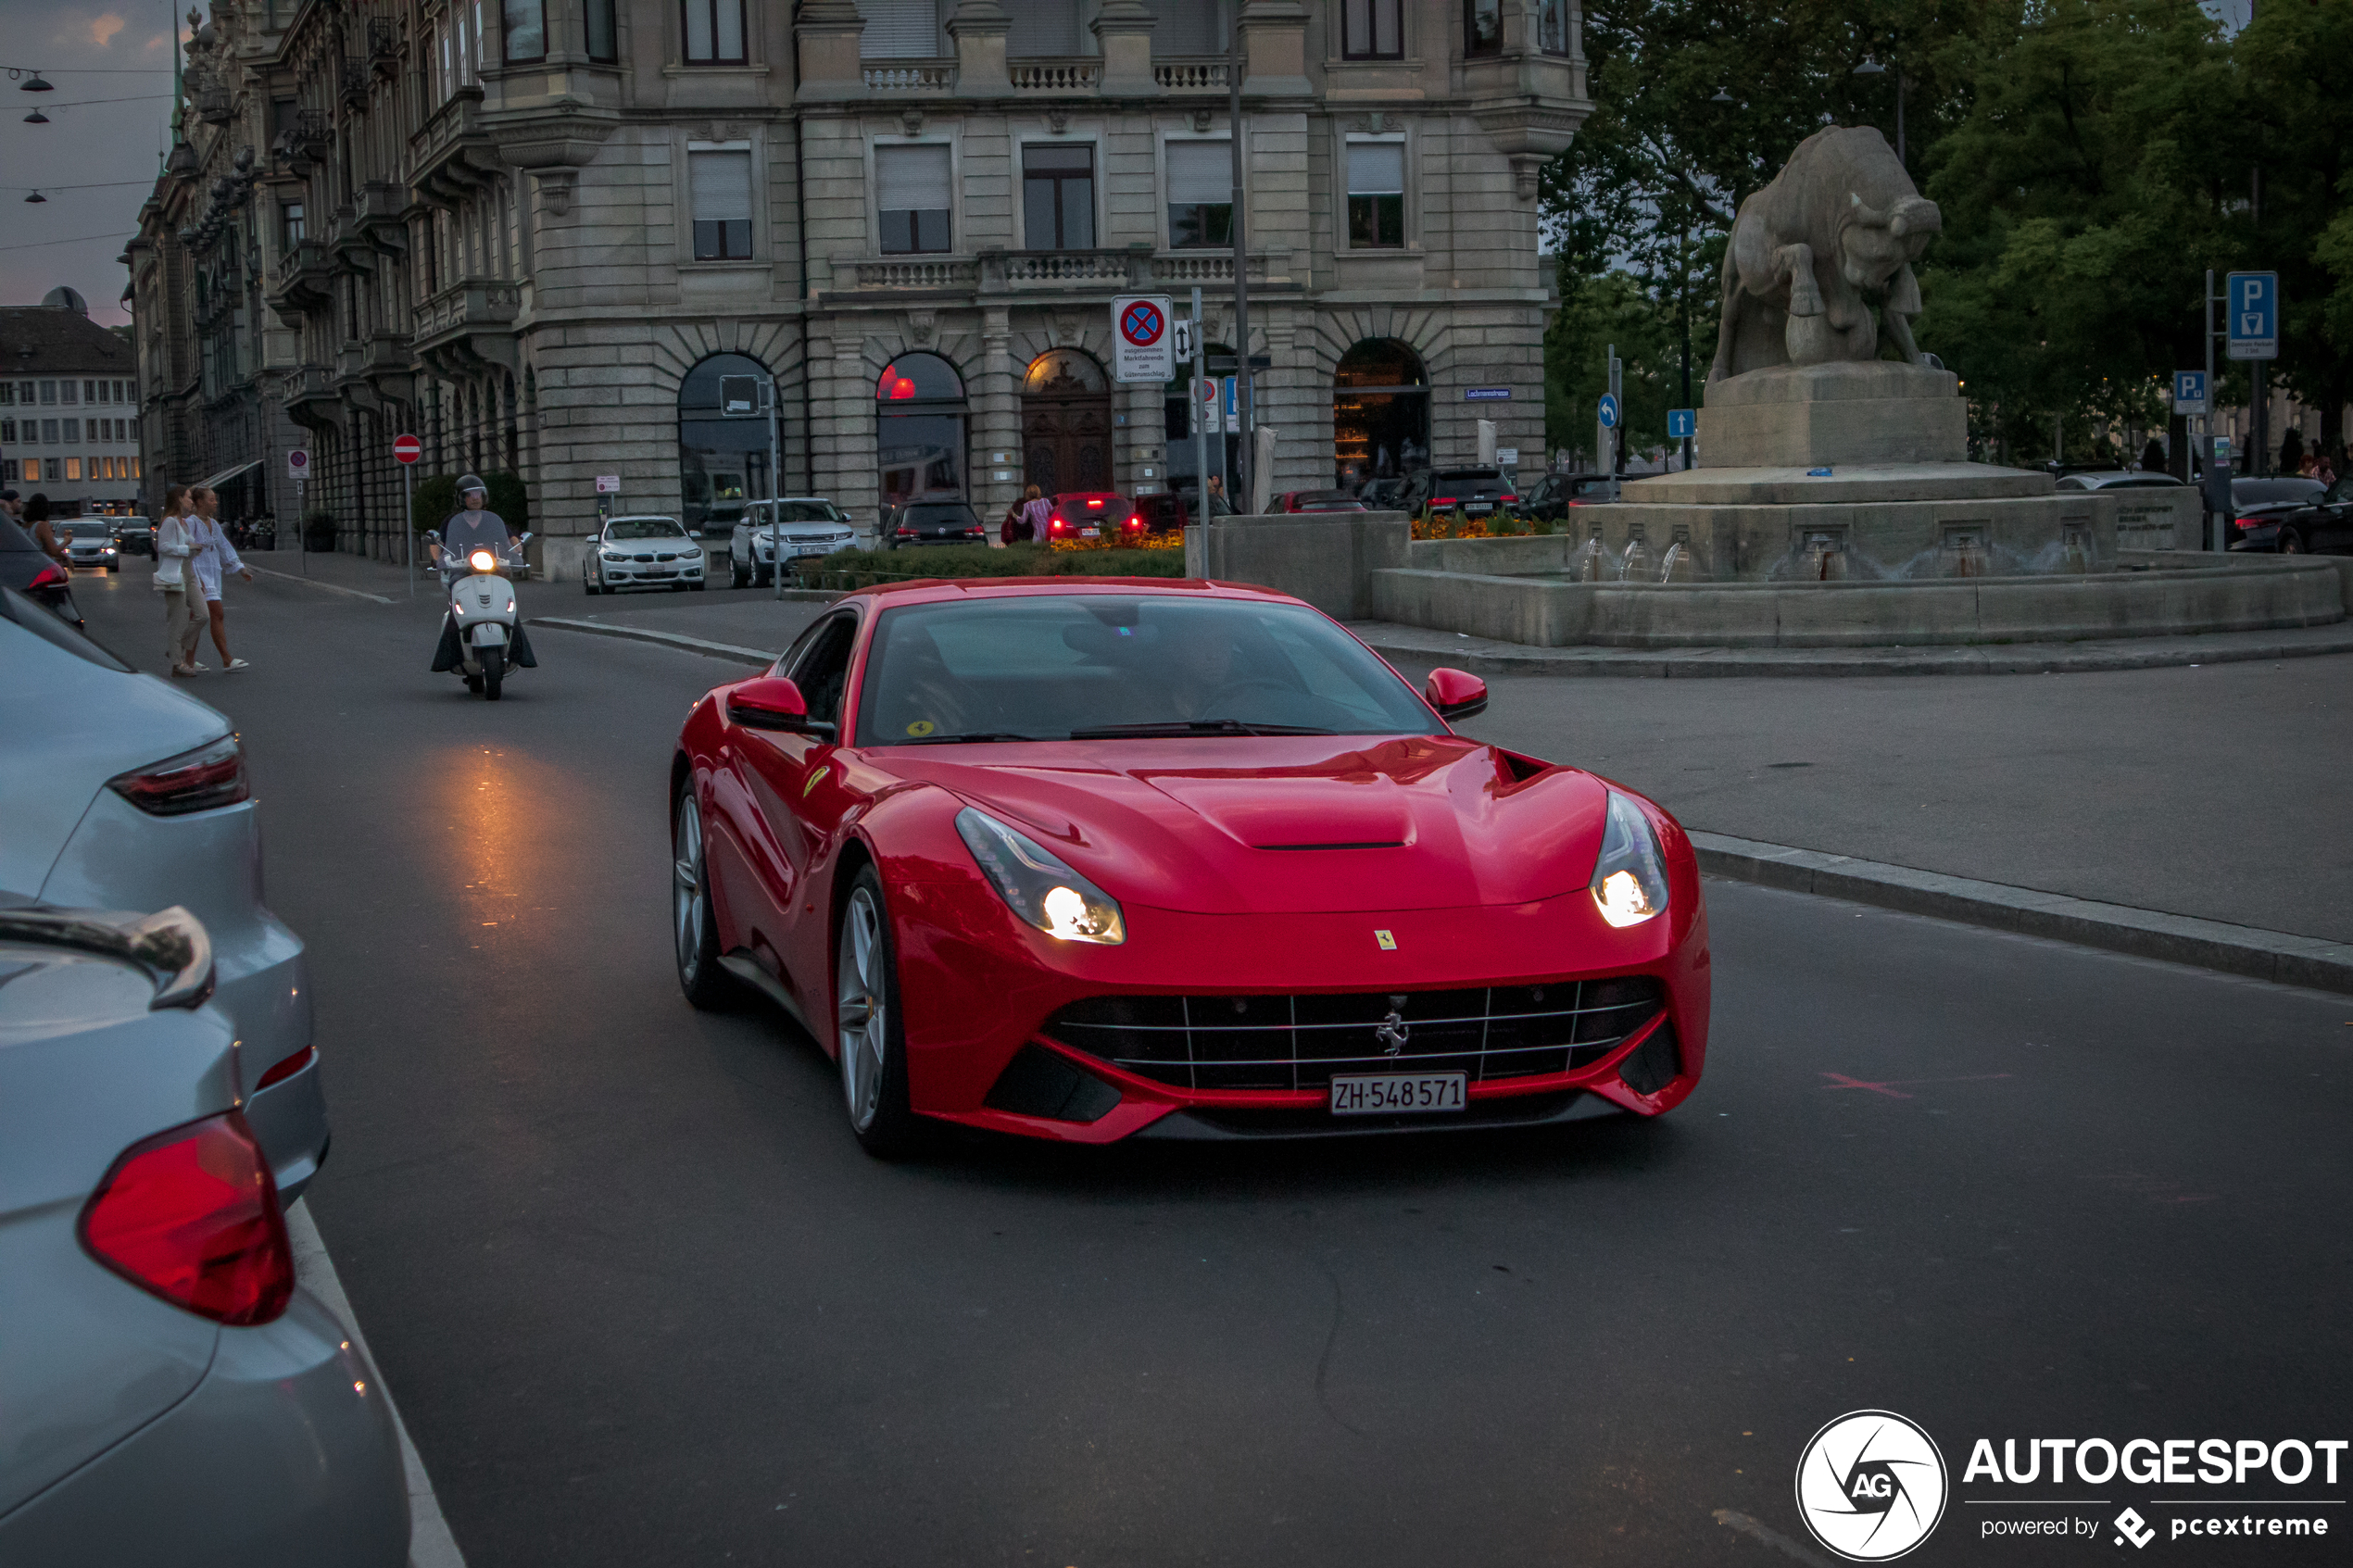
(1124, 32)
(827, 33)
(996, 419)
(979, 28)
(1275, 45)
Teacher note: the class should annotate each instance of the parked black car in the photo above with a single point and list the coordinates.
(1162, 513)
(1555, 493)
(1479, 492)
(134, 535)
(2271, 514)
(935, 523)
(2318, 524)
(1384, 494)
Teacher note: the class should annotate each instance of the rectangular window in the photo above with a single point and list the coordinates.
(90, 390)
(526, 31)
(54, 469)
(1482, 27)
(722, 184)
(48, 392)
(73, 467)
(48, 432)
(135, 466)
(1370, 30)
(1045, 29)
(24, 393)
(911, 197)
(900, 30)
(290, 218)
(603, 47)
(1552, 25)
(1187, 27)
(714, 32)
(122, 392)
(1375, 196)
(67, 393)
(8, 394)
(73, 432)
(1200, 193)
(8, 430)
(1058, 197)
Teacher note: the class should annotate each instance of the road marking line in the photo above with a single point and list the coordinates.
(1882, 1086)
(1732, 1520)
(660, 639)
(314, 583)
(429, 1542)
(1843, 1082)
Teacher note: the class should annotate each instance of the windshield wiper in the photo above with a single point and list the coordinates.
(1194, 727)
(960, 738)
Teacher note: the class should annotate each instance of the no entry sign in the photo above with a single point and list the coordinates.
(1143, 338)
(406, 448)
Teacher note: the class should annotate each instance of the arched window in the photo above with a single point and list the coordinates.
(722, 458)
(919, 430)
(1380, 413)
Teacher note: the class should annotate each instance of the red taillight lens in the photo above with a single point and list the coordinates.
(905, 532)
(288, 1067)
(49, 577)
(1507, 498)
(2250, 522)
(1095, 506)
(1441, 500)
(1056, 521)
(193, 781)
(192, 1215)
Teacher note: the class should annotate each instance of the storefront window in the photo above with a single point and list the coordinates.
(919, 430)
(723, 461)
(1380, 413)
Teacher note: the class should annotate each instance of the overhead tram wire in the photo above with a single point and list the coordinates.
(77, 240)
(99, 186)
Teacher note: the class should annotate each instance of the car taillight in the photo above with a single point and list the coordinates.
(905, 532)
(49, 577)
(1507, 498)
(1134, 522)
(195, 780)
(288, 1067)
(1094, 506)
(192, 1215)
(2244, 522)
(1056, 521)
(1441, 500)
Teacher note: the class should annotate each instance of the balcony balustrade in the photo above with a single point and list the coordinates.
(311, 397)
(453, 155)
(302, 282)
(468, 325)
(1204, 73)
(910, 76)
(1075, 74)
(1101, 271)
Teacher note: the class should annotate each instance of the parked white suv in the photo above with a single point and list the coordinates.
(122, 793)
(805, 525)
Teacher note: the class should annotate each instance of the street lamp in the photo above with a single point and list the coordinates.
(1872, 67)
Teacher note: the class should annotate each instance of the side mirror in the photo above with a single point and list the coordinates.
(772, 702)
(432, 535)
(1455, 694)
(525, 540)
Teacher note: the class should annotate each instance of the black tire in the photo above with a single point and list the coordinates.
(738, 574)
(865, 973)
(493, 672)
(694, 924)
(2289, 544)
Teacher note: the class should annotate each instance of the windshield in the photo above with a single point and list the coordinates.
(88, 528)
(1083, 667)
(794, 511)
(2259, 492)
(931, 515)
(645, 528)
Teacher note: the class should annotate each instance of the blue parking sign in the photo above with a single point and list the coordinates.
(1681, 423)
(2251, 306)
(2189, 392)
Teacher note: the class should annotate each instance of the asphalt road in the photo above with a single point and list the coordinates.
(642, 1300)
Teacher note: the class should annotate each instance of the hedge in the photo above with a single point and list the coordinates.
(435, 499)
(861, 569)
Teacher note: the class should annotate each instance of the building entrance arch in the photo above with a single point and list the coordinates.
(723, 461)
(1380, 413)
(1065, 422)
(919, 430)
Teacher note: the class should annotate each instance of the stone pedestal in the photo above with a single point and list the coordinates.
(1820, 416)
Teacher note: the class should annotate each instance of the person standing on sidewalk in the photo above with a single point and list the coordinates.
(36, 522)
(183, 621)
(212, 555)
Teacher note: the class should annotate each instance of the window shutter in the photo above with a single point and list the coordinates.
(900, 30)
(1042, 28)
(1375, 169)
(730, 30)
(1200, 173)
(911, 179)
(1185, 27)
(721, 186)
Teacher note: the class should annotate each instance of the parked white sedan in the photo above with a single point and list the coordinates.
(642, 552)
(805, 525)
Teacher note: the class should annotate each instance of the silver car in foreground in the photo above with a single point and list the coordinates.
(119, 792)
(167, 1393)
(642, 552)
(804, 525)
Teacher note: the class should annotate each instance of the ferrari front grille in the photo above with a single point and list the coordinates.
(1298, 1042)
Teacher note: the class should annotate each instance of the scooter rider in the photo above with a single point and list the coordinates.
(473, 527)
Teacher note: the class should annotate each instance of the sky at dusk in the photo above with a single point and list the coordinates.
(110, 65)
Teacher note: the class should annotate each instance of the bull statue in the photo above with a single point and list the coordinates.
(1837, 229)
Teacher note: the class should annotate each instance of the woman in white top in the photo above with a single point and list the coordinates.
(183, 623)
(211, 555)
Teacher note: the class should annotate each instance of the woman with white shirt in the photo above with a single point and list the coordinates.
(211, 555)
(183, 621)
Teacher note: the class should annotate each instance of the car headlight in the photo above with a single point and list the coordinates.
(1037, 886)
(1630, 875)
(612, 555)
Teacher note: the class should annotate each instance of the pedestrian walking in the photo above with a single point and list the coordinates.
(182, 614)
(36, 522)
(1036, 513)
(1217, 504)
(211, 556)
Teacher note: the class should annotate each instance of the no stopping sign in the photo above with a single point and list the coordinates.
(1143, 343)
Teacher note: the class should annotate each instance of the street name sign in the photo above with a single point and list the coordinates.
(1487, 394)
(406, 448)
(1143, 338)
(1682, 423)
(2251, 302)
(2189, 392)
(1607, 411)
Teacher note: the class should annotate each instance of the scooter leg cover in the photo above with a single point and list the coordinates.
(519, 650)
(448, 654)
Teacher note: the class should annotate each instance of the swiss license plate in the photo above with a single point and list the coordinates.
(1390, 1095)
(811, 549)
(1090, 533)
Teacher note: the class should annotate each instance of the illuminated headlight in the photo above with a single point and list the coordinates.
(1630, 875)
(483, 561)
(1037, 886)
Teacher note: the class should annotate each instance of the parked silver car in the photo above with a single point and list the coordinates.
(170, 1394)
(804, 525)
(642, 552)
(119, 792)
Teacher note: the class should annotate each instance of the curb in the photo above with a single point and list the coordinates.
(2276, 956)
(683, 643)
(314, 583)
(1483, 655)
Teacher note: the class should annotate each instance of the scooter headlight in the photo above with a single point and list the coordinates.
(483, 561)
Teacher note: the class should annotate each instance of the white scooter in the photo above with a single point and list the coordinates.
(483, 637)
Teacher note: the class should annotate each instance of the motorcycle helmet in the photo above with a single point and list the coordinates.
(467, 481)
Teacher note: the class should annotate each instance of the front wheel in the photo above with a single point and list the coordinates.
(493, 671)
(693, 924)
(871, 1042)
(738, 574)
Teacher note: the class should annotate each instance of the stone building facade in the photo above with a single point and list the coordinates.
(537, 232)
(68, 408)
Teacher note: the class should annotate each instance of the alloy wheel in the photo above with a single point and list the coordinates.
(686, 890)
(860, 1008)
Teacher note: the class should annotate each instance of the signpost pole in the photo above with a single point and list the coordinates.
(1247, 458)
(2216, 523)
(301, 532)
(408, 515)
(1201, 414)
(776, 496)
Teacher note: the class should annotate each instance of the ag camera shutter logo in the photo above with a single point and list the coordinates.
(1870, 1486)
